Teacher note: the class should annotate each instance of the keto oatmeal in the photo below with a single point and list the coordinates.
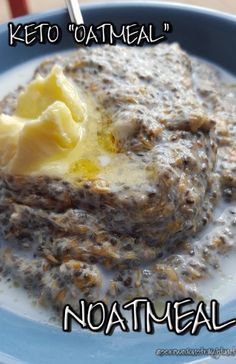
(118, 176)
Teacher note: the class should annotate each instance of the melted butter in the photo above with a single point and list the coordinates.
(57, 130)
(95, 156)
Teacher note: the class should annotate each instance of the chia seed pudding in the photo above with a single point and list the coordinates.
(150, 221)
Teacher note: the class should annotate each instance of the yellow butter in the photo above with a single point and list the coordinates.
(52, 134)
(9, 135)
(59, 132)
(45, 125)
(42, 92)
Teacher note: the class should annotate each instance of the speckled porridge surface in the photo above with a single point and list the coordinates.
(175, 118)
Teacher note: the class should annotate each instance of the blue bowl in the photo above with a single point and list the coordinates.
(205, 33)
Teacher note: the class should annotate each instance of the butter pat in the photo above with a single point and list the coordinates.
(42, 92)
(47, 124)
(49, 136)
(9, 135)
(58, 132)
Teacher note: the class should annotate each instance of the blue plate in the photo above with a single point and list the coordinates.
(208, 34)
